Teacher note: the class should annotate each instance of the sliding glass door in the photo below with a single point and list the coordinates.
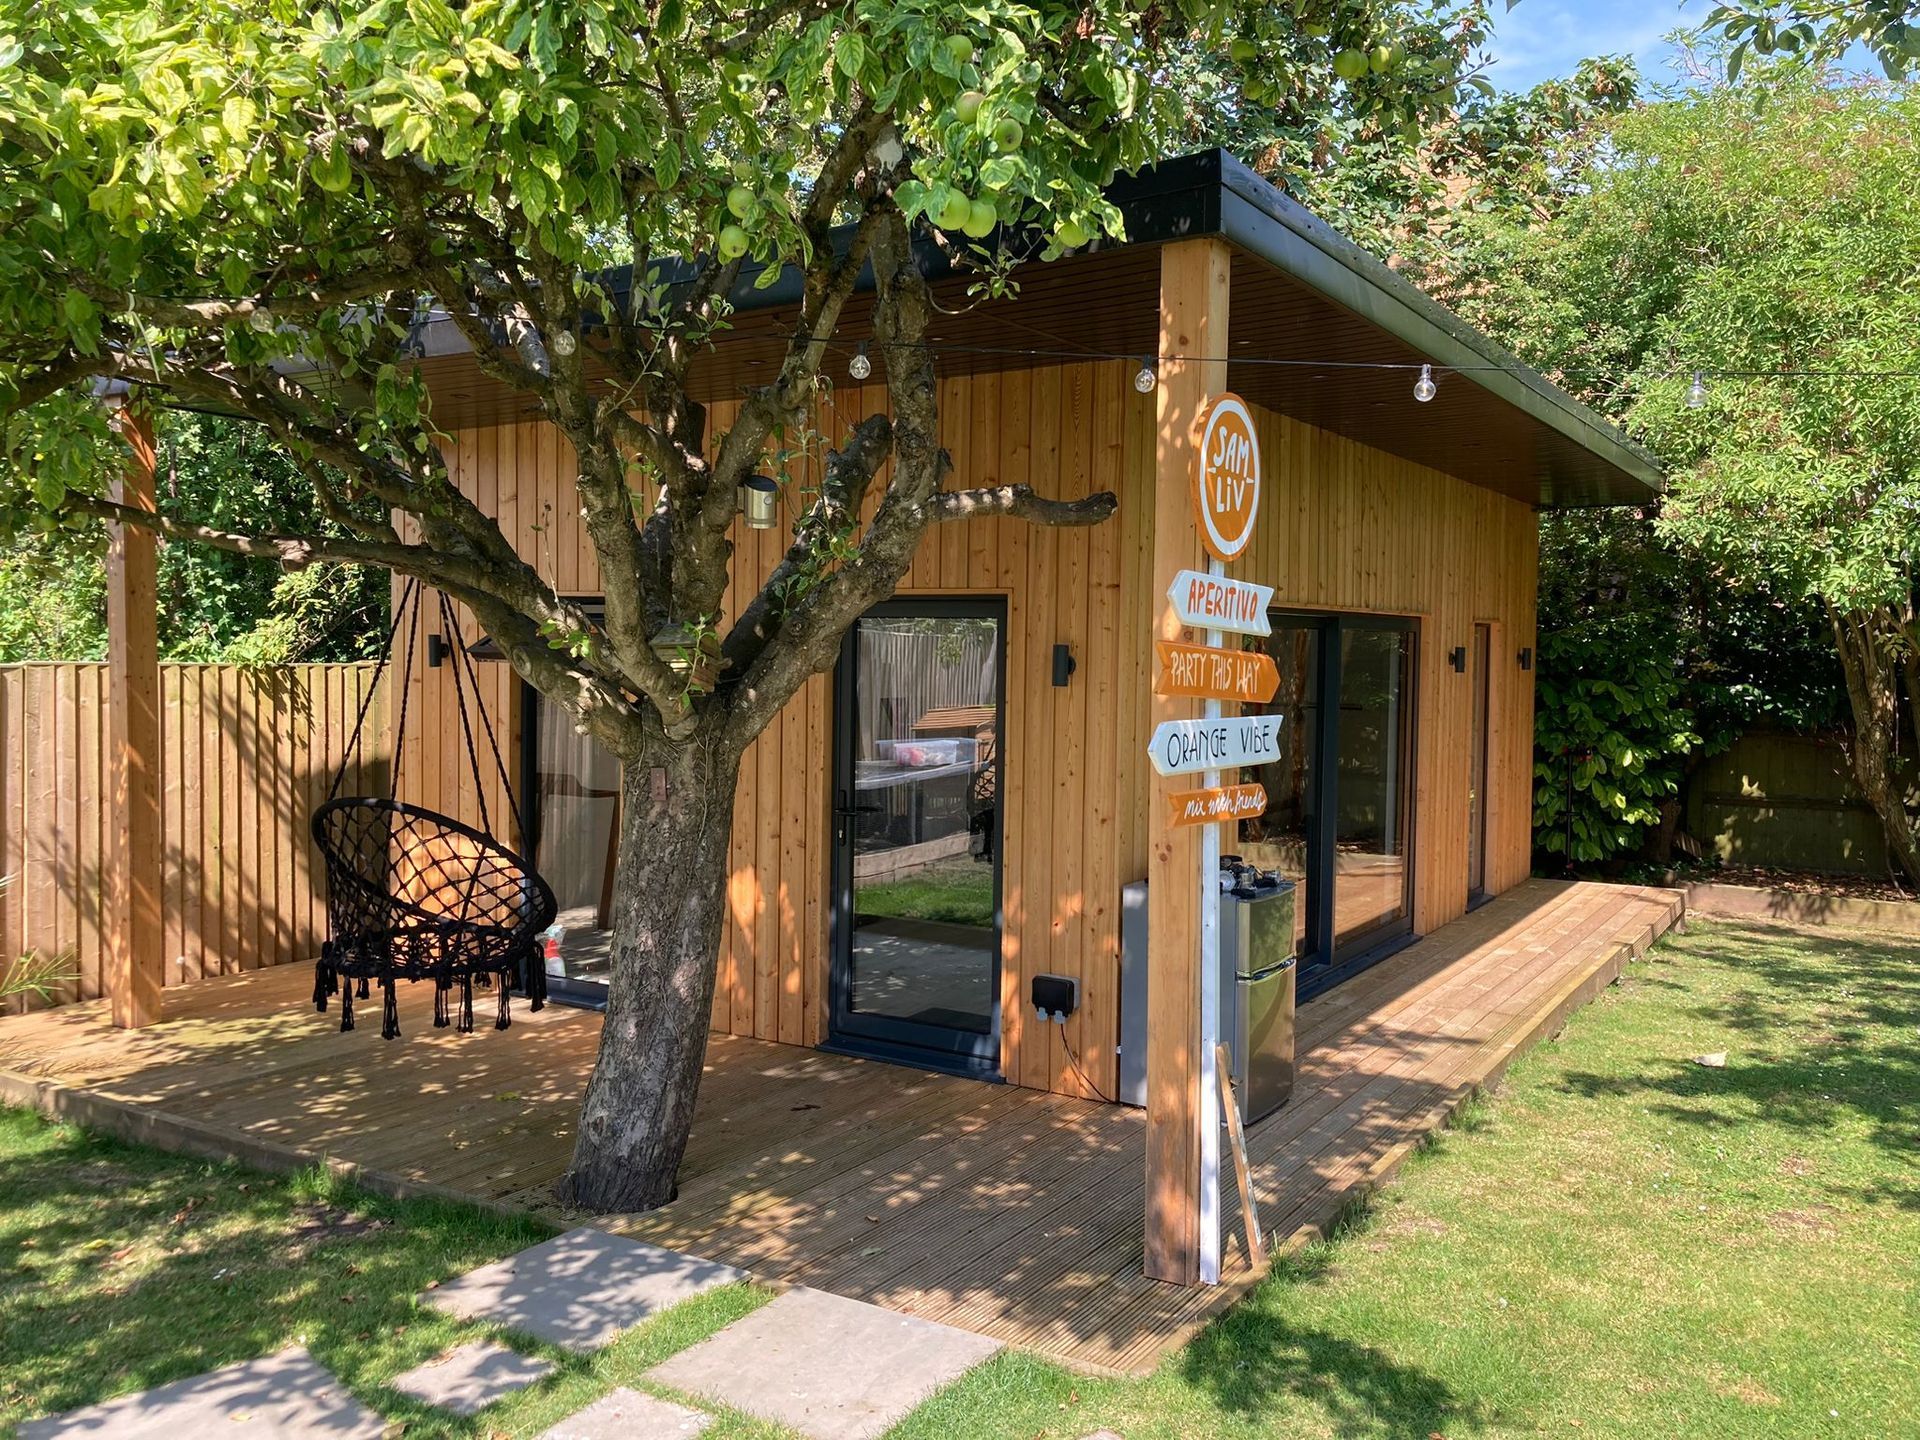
(1339, 798)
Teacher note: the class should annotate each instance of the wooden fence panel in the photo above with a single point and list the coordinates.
(247, 755)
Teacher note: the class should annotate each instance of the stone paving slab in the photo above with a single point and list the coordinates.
(470, 1377)
(829, 1367)
(581, 1289)
(629, 1415)
(287, 1396)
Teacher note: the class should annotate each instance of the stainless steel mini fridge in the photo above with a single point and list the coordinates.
(1257, 976)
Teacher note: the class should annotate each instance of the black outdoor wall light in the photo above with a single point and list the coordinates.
(436, 651)
(1458, 659)
(1526, 658)
(1063, 665)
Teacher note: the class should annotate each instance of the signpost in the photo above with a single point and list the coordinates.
(1226, 499)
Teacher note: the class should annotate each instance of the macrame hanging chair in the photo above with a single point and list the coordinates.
(416, 895)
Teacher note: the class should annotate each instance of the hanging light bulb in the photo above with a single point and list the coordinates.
(1697, 393)
(562, 343)
(1424, 389)
(1145, 381)
(860, 367)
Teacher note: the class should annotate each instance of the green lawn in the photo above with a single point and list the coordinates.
(1622, 1243)
(123, 1268)
(956, 891)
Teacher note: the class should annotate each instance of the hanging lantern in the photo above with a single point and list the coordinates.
(760, 502)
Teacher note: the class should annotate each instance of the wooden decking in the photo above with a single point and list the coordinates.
(1003, 1210)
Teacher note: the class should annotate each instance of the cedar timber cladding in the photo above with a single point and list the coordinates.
(246, 757)
(1343, 527)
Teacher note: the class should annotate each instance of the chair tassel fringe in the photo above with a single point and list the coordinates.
(441, 986)
(364, 992)
(326, 981)
(390, 1019)
(466, 1005)
(533, 976)
(505, 1017)
(346, 1008)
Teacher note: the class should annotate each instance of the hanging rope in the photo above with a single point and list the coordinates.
(413, 894)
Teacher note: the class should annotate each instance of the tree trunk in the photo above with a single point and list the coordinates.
(676, 821)
(1868, 660)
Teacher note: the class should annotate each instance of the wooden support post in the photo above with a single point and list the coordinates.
(134, 939)
(1193, 322)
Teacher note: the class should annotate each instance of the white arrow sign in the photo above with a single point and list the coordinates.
(1213, 602)
(1186, 747)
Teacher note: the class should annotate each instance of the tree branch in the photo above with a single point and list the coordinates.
(832, 518)
(1020, 502)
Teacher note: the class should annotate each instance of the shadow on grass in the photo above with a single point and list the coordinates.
(1254, 1359)
(1830, 1023)
(121, 1269)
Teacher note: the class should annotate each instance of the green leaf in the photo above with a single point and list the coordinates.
(849, 53)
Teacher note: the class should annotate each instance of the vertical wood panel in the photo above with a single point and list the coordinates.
(1342, 527)
(246, 757)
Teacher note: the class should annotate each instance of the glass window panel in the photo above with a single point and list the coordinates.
(577, 784)
(1477, 792)
(1372, 780)
(925, 943)
(1279, 839)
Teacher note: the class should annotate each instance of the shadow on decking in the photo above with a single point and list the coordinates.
(1007, 1211)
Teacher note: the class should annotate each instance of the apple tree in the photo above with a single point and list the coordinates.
(252, 207)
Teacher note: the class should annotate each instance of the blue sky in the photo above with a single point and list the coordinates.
(1539, 39)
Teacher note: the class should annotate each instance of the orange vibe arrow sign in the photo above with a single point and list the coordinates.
(1205, 672)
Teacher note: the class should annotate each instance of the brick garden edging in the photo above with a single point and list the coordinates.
(1752, 902)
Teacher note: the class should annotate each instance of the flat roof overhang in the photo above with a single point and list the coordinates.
(1312, 319)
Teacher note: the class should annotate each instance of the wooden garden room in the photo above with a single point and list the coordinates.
(956, 812)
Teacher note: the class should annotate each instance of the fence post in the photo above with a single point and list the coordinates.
(134, 938)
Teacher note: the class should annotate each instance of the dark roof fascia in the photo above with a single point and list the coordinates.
(1169, 201)
(1211, 193)
(1259, 219)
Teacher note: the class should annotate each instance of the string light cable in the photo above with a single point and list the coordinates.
(1429, 372)
(859, 364)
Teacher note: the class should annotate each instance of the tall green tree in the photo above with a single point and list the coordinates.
(214, 605)
(250, 206)
(1767, 236)
(1820, 31)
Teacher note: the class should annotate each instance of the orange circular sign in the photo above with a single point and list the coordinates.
(1226, 477)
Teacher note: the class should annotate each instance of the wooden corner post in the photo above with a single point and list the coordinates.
(1194, 277)
(134, 941)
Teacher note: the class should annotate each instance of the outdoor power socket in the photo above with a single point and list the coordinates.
(1055, 997)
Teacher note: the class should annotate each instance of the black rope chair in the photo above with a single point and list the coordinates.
(416, 895)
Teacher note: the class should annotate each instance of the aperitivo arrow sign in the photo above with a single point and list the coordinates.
(1213, 602)
(1207, 673)
(1224, 802)
(1186, 747)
